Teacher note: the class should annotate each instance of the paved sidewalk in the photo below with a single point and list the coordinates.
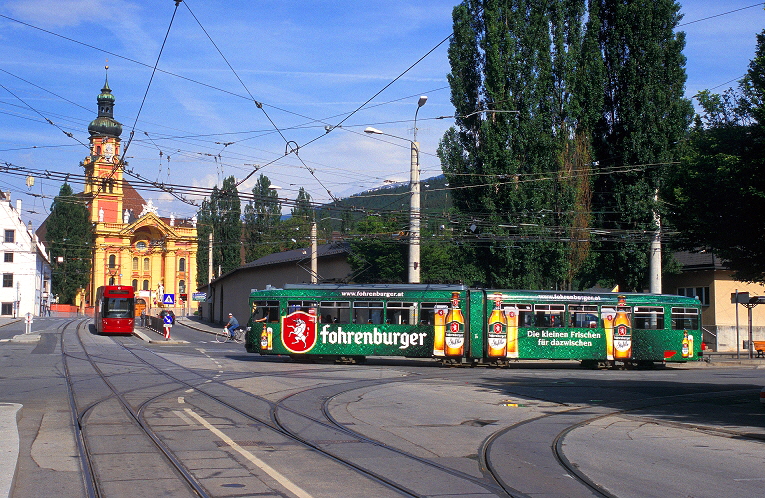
(194, 322)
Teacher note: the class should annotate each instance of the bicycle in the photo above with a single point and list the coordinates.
(223, 336)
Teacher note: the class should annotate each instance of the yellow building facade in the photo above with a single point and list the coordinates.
(133, 245)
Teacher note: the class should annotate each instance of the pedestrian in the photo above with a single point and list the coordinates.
(232, 325)
(143, 318)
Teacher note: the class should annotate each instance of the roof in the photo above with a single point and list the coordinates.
(322, 250)
(302, 254)
(691, 261)
(131, 199)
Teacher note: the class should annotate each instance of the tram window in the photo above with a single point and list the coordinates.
(266, 309)
(428, 311)
(583, 316)
(549, 315)
(401, 313)
(525, 313)
(648, 317)
(335, 311)
(368, 312)
(685, 318)
(307, 306)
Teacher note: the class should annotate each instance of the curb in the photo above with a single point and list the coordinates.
(10, 413)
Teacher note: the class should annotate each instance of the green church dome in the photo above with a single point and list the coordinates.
(105, 124)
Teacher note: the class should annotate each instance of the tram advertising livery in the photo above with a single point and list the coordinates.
(115, 309)
(455, 324)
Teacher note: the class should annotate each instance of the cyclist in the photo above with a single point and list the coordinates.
(232, 325)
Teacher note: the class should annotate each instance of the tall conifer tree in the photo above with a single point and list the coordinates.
(644, 118)
(260, 217)
(514, 174)
(227, 227)
(69, 233)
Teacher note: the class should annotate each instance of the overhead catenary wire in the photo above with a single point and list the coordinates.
(248, 99)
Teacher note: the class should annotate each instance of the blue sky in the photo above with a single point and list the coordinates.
(311, 63)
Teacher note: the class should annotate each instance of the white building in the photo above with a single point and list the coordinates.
(24, 265)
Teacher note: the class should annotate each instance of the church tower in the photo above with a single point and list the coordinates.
(103, 169)
(132, 244)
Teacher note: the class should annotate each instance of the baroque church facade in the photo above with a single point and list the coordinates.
(133, 244)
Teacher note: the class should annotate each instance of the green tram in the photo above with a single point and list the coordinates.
(456, 324)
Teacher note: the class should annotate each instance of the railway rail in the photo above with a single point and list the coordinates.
(144, 389)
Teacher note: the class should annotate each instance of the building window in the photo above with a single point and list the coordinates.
(8, 257)
(135, 264)
(111, 280)
(182, 264)
(181, 287)
(146, 266)
(10, 236)
(7, 309)
(141, 245)
(700, 293)
(135, 285)
(145, 285)
(112, 261)
(7, 279)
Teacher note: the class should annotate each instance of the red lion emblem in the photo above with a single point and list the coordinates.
(299, 332)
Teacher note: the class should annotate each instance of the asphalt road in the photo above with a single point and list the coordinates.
(193, 417)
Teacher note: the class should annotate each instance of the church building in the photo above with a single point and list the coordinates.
(133, 244)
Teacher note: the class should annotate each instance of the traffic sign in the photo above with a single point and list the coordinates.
(198, 296)
(168, 299)
(168, 320)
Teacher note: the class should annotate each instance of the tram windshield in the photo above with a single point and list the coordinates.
(118, 307)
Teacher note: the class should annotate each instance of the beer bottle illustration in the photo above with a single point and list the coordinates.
(455, 324)
(608, 315)
(685, 348)
(511, 318)
(266, 338)
(622, 332)
(439, 329)
(497, 332)
(690, 345)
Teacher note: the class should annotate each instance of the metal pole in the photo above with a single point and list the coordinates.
(738, 334)
(751, 345)
(414, 216)
(209, 259)
(314, 251)
(654, 261)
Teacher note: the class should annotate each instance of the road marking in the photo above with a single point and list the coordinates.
(181, 400)
(189, 391)
(289, 485)
(183, 417)
(4, 340)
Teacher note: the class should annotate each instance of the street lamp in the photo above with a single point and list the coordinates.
(491, 111)
(414, 201)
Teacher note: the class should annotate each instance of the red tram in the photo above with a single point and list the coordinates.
(115, 309)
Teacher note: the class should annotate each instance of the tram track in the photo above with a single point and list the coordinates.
(572, 469)
(275, 422)
(501, 487)
(273, 414)
(93, 479)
